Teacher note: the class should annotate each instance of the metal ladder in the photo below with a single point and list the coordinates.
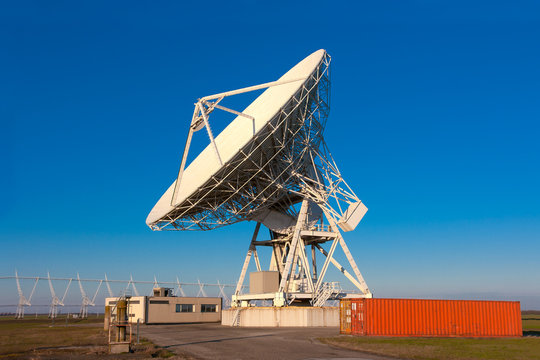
(325, 292)
(236, 317)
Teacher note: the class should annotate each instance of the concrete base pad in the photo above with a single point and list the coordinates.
(282, 316)
(119, 348)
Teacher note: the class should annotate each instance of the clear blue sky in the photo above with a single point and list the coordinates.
(434, 123)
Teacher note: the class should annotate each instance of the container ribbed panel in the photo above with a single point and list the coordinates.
(417, 317)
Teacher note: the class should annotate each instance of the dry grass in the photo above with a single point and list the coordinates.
(78, 339)
(443, 348)
(31, 335)
(525, 348)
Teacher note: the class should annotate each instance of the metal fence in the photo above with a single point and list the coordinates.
(54, 295)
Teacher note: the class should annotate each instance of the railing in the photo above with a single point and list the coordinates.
(326, 291)
(320, 227)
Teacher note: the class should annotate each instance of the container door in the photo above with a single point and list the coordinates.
(360, 307)
(345, 317)
(357, 321)
(353, 317)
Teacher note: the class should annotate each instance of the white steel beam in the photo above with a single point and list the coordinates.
(326, 263)
(179, 288)
(95, 294)
(247, 259)
(305, 264)
(314, 262)
(340, 268)
(209, 131)
(285, 276)
(250, 88)
(201, 289)
(108, 286)
(233, 111)
(182, 166)
(363, 286)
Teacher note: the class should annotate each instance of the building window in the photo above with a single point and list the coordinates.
(184, 307)
(163, 302)
(208, 308)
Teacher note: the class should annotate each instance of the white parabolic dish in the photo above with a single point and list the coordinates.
(235, 137)
(271, 165)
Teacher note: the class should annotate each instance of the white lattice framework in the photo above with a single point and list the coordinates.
(122, 287)
(86, 301)
(271, 171)
(55, 300)
(286, 168)
(23, 300)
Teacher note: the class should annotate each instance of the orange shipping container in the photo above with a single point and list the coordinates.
(414, 317)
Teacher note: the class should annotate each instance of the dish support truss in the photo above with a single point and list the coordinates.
(287, 163)
(23, 300)
(300, 281)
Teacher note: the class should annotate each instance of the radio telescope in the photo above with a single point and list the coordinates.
(271, 165)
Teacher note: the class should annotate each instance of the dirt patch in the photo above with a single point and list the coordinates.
(83, 339)
(144, 350)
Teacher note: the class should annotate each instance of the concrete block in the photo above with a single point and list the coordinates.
(283, 316)
(262, 282)
(119, 348)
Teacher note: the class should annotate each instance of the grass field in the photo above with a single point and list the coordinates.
(531, 323)
(85, 339)
(525, 348)
(40, 338)
(443, 348)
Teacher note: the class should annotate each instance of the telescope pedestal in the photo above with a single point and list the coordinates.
(300, 283)
(291, 316)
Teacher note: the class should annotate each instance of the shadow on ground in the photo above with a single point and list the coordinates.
(214, 341)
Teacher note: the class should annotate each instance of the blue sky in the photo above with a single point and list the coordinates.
(433, 122)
